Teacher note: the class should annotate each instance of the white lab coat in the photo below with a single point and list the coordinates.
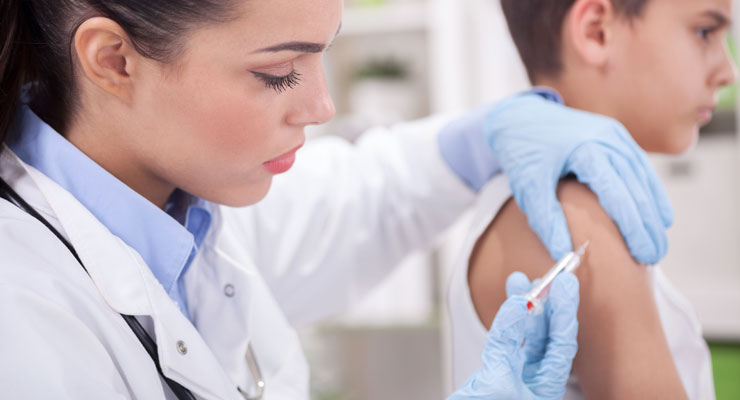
(328, 231)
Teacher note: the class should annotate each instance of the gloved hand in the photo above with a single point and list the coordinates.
(538, 141)
(528, 357)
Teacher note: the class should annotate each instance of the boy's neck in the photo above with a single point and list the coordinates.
(579, 93)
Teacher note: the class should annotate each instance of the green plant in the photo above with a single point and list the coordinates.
(385, 69)
(368, 3)
(726, 367)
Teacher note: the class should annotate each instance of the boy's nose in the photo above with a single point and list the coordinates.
(727, 72)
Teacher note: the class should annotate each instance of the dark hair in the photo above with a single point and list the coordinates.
(536, 27)
(37, 40)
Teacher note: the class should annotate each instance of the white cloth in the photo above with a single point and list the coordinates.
(683, 332)
(328, 231)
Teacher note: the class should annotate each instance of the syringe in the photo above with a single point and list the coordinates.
(539, 294)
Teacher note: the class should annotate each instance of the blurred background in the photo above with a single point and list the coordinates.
(403, 59)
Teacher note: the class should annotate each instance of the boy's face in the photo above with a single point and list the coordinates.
(667, 67)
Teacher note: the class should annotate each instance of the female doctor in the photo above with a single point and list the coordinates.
(142, 256)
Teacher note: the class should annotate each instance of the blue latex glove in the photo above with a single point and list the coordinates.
(528, 357)
(538, 141)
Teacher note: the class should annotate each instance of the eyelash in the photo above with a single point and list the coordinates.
(705, 32)
(279, 83)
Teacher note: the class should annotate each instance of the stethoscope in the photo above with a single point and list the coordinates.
(182, 393)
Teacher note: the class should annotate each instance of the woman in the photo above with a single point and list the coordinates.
(141, 131)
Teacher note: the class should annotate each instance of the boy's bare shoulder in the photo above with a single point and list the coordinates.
(509, 240)
(509, 244)
(583, 211)
(616, 296)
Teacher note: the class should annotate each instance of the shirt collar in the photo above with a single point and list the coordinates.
(548, 93)
(161, 240)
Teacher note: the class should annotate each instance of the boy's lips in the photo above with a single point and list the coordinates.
(705, 113)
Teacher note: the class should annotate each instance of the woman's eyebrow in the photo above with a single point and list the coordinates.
(301, 47)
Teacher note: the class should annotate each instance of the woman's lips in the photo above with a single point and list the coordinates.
(282, 163)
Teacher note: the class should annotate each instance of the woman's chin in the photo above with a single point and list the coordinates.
(240, 196)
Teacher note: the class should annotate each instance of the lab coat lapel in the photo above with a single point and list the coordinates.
(220, 292)
(111, 264)
(129, 287)
(185, 357)
(234, 308)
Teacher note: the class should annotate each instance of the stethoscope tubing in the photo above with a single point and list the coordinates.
(182, 393)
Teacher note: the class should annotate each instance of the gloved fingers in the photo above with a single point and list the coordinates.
(517, 284)
(660, 197)
(537, 335)
(647, 173)
(535, 331)
(636, 157)
(545, 215)
(564, 300)
(515, 110)
(505, 338)
(557, 239)
(562, 346)
(500, 375)
(593, 168)
(536, 338)
(652, 220)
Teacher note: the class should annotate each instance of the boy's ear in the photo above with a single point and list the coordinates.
(588, 28)
(106, 57)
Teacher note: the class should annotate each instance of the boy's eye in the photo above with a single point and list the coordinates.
(705, 32)
(279, 83)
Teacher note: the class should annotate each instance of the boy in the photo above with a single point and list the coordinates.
(655, 66)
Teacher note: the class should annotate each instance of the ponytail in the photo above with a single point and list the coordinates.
(15, 54)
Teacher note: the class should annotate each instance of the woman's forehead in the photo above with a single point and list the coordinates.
(266, 24)
(263, 23)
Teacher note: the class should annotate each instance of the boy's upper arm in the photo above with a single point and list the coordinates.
(623, 352)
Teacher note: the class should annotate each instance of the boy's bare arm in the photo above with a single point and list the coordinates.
(622, 351)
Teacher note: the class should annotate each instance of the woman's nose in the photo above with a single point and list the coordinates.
(314, 105)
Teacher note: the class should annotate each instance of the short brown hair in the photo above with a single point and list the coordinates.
(536, 27)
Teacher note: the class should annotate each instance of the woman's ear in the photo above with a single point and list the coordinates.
(589, 30)
(106, 56)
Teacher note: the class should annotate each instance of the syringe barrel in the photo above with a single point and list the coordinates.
(541, 292)
(560, 266)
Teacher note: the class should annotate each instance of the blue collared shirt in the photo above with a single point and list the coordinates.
(166, 240)
(464, 144)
